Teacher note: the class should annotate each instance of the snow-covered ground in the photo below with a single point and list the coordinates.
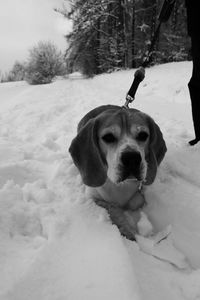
(55, 244)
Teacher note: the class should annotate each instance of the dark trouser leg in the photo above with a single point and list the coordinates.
(194, 86)
(195, 101)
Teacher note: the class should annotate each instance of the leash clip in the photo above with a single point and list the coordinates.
(129, 100)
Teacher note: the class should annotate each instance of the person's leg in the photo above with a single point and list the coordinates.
(194, 88)
(195, 101)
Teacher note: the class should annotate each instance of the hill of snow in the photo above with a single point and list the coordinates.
(55, 244)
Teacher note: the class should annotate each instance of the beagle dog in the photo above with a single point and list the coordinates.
(116, 151)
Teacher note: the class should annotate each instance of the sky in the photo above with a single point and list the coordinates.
(23, 23)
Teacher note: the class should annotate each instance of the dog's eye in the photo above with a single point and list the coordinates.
(109, 138)
(142, 136)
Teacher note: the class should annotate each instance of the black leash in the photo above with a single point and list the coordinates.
(139, 75)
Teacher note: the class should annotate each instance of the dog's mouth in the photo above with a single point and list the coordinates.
(129, 174)
(131, 166)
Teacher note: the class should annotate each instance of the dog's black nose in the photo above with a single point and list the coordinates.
(131, 158)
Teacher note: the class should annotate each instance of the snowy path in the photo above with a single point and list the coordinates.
(54, 243)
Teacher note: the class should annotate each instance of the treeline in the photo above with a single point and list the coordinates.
(45, 62)
(17, 73)
(114, 34)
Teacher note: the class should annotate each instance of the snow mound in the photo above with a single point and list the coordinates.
(55, 243)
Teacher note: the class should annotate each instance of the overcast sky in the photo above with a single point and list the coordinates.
(25, 22)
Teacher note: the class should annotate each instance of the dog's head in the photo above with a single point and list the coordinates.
(119, 144)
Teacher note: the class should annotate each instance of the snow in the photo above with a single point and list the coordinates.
(55, 243)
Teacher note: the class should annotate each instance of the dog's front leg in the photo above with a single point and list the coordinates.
(137, 202)
(125, 220)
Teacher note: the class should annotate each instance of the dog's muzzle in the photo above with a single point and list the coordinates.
(131, 165)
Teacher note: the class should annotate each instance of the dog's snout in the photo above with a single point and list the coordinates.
(131, 158)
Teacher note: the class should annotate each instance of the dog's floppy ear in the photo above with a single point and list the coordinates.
(87, 156)
(157, 150)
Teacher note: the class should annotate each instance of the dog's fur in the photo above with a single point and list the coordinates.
(115, 150)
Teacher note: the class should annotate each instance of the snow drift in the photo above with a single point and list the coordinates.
(55, 243)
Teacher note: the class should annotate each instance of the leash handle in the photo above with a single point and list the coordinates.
(138, 77)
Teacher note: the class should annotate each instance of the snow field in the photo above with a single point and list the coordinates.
(55, 243)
